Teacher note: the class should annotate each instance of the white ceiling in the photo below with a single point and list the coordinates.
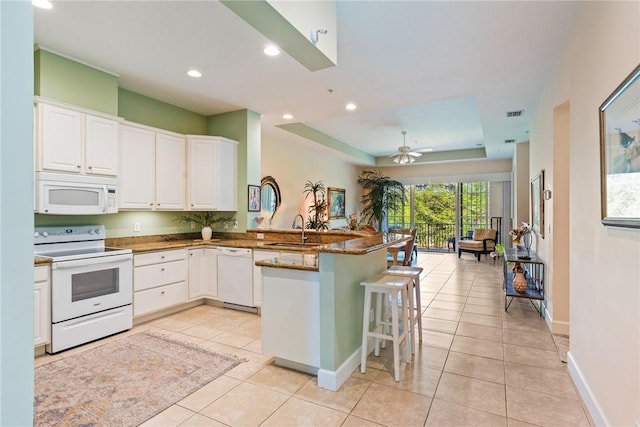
(446, 72)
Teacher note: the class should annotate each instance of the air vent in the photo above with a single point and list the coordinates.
(509, 141)
(516, 113)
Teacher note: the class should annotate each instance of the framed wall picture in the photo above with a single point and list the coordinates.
(254, 198)
(620, 154)
(537, 203)
(336, 203)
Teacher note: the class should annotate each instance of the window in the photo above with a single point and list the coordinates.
(474, 206)
(438, 210)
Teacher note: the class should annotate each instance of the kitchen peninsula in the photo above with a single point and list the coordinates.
(312, 314)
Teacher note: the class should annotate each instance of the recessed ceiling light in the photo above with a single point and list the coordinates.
(194, 73)
(42, 4)
(287, 116)
(350, 106)
(271, 51)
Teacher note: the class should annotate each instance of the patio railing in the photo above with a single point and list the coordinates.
(434, 237)
(438, 237)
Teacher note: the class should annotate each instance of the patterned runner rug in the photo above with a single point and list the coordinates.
(123, 382)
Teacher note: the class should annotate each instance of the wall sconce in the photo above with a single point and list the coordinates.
(546, 194)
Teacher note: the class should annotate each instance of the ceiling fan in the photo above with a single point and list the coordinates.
(404, 154)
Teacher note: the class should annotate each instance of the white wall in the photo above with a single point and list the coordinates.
(293, 164)
(604, 358)
(521, 181)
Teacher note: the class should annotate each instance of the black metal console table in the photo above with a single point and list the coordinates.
(533, 272)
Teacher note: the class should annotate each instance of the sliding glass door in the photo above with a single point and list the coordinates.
(442, 212)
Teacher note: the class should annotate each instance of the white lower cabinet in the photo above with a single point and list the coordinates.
(42, 306)
(203, 273)
(159, 280)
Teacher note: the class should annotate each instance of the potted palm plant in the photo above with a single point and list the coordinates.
(317, 211)
(380, 193)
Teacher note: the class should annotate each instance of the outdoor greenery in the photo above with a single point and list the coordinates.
(435, 204)
(434, 213)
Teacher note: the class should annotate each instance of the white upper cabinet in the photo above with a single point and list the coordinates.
(76, 142)
(137, 182)
(212, 173)
(152, 169)
(170, 172)
(101, 145)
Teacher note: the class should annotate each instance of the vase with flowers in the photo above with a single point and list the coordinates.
(352, 221)
(521, 236)
(205, 220)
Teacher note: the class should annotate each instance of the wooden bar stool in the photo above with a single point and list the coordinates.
(384, 286)
(415, 311)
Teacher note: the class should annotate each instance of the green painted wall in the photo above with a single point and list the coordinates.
(121, 224)
(151, 112)
(342, 302)
(64, 80)
(242, 126)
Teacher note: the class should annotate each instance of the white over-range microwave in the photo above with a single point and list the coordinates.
(66, 194)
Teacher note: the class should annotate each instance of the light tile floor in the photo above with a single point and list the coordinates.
(477, 365)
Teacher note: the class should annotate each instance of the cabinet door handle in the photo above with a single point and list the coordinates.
(150, 204)
(162, 293)
(78, 166)
(162, 269)
(90, 167)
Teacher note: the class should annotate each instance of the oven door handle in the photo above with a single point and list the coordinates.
(91, 261)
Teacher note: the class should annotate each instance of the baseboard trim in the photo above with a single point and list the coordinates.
(596, 413)
(556, 327)
(333, 380)
(297, 366)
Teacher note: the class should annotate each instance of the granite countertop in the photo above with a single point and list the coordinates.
(40, 260)
(358, 245)
(303, 261)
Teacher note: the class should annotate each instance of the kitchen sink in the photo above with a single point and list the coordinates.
(293, 244)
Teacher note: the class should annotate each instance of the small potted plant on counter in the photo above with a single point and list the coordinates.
(205, 220)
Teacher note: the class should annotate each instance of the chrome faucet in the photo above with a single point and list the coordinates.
(301, 225)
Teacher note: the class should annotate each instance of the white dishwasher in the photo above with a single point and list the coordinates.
(235, 278)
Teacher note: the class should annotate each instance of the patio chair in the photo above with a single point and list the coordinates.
(483, 241)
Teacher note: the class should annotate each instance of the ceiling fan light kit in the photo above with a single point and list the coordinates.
(404, 155)
(403, 159)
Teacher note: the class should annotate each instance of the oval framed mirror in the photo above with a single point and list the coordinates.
(269, 195)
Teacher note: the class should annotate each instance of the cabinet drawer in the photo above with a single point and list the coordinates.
(158, 257)
(41, 274)
(151, 276)
(158, 298)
